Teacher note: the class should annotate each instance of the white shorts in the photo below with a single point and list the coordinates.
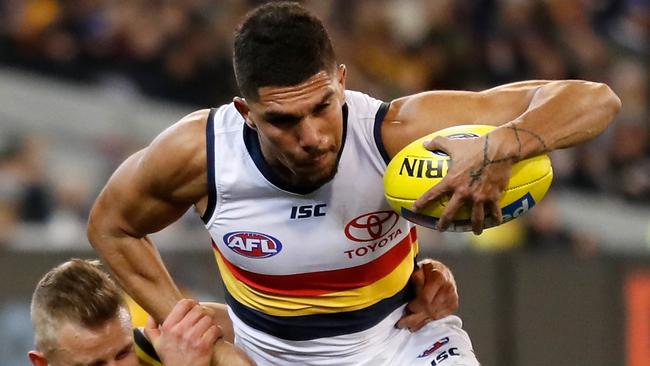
(442, 342)
(439, 343)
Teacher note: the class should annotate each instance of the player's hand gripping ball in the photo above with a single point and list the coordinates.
(415, 169)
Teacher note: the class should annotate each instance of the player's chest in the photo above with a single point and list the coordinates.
(307, 234)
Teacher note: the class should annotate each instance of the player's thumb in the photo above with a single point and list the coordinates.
(151, 330)
(438, 144)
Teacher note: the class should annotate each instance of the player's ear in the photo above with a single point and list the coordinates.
(341, 74)
(242, 107)
(37, 358)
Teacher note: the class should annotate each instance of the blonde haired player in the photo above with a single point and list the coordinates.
(80, 317)
(288, 180)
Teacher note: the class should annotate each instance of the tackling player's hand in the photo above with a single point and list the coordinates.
(436, 295)
(476, 178)
(186, 337)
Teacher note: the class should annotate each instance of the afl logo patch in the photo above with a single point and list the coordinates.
(252, 245)
(371, 226)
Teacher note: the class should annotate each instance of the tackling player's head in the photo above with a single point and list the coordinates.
(293, 91)
(79, 317)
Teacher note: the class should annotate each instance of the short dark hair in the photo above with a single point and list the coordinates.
(280, 44)
(76, 291)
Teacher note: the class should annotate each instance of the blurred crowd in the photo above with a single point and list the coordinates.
(181, 51)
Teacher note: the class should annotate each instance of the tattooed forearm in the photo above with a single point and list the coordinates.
(514, 128)
(517, 130)
(476, 174)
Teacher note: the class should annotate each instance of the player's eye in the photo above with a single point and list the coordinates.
(321, 108)
(283, 120)
(124, 353)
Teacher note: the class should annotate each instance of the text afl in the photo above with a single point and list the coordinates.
(252, 244)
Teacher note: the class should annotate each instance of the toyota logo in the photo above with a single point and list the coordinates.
(371, 226)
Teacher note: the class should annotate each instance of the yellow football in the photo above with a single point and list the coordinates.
(414, 170)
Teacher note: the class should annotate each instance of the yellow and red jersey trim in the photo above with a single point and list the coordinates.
(353, 298)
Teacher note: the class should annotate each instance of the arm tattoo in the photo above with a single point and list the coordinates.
(476, 174)
(514, 128)
(536, 136)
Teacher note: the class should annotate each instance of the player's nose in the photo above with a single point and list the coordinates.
(310, 136)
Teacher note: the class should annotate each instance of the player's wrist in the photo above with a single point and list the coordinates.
(501, 144)
(519, 142)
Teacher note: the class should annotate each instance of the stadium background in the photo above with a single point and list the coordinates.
(84, 83)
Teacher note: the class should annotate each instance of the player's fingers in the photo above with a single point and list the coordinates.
(412, 320)
(433, 281)
(438, 143)
(448, 307)
(442, 304)
(419, 325)
(453, 205)
(431, 274)
(432, 194)
(211, 335)
(151, 330)
(495, 213)
(429, 271)
(200, 327)
(478, 215)
(178, 312)
(194, 316)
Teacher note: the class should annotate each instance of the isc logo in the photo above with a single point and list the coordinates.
(452, 352)
(251, 244)
(303, 212)
(417, 167)
(518, 208)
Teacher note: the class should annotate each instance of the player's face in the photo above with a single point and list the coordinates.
(108, 345)
(300, 127)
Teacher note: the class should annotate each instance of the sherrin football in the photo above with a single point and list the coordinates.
(414, 170)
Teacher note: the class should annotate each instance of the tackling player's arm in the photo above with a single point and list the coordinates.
(534, 117)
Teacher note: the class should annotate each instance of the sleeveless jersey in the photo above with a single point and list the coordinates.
(307, 266)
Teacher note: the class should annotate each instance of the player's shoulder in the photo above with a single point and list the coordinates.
(144, 349)
(362, 105)
(194, 126)
(360, 99)
(183, 140)
(188, 127)
(177, 158)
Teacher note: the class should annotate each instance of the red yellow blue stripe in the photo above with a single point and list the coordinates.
(348, 289)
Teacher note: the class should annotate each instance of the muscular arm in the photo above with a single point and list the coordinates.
(149, 191)
(533, 117)
(557, 113)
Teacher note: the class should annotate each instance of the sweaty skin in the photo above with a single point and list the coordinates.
(300, 134)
